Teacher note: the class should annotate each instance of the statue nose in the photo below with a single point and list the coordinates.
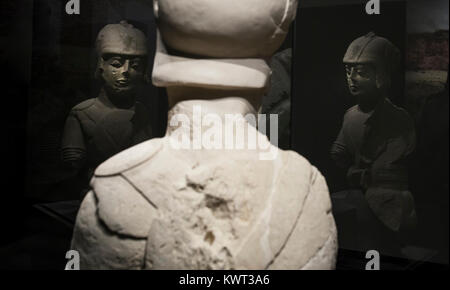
(351, 74)
(126, 67)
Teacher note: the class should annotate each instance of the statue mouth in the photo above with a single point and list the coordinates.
(122, 83)
(354, 89)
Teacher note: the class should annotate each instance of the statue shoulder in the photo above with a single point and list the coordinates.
(129, 158)
(302, 212)
(108, 231)
(84, 105)
(400, 113)
(294, 159)
(121, 207)
(303, 170)
(351, 111)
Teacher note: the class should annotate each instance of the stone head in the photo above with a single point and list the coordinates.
(219, 44)
(370, 61)
(122, 58)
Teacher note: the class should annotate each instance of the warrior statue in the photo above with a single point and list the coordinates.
(99, 128)
(374, 144)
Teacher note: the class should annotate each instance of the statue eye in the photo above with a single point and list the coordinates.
(136, 65)
(116, 63)
(363, 72)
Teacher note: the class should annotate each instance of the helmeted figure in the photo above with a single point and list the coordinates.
(99, 128)
(377, 137)
(211, 205)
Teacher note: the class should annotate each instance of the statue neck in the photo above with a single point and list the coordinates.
(120, 102)
(182, 94)
(222, 123)
(370, 103)
(196, 110)
(221, 119)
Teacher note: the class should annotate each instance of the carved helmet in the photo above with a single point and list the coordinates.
(375, 50)
(122, 39)
(214, 42)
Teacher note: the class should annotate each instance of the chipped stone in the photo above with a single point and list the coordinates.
(101, 249)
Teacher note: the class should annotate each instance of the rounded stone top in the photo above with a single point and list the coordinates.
(373, 49)
(122, 38)
(129, 158)
(225, 29)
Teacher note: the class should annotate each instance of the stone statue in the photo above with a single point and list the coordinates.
(377, 137)
(161, 205)
(99, 128)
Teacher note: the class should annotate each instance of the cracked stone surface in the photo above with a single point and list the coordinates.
(206, 209)
(100, 248)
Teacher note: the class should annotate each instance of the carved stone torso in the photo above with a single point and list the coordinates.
(99, 129)
(157, 207)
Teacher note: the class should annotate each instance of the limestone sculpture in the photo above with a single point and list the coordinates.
(159, 206)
